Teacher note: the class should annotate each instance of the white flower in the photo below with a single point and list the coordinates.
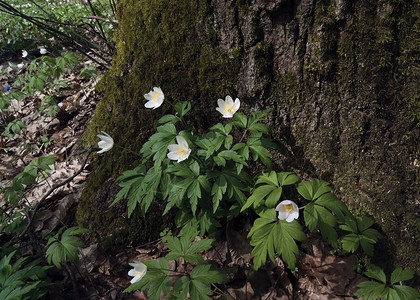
(20, 66)
(43, 51)
(288, 210)
(180, 151)
(155, 98)
(105, 143)
(138, 272)
(227, 107)
(24, 53)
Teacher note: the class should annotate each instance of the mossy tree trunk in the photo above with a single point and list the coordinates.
(341, 78)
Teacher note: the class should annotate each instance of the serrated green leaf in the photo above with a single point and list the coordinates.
(240, 120)
(168, 119)
(310, 216)
(199, 246)
(287, 178)
(258, 195)
(181, 288)
(350, 242)
(205, 274)
(199, 290)
(401, 275)
(375, 272)
(269, 178)
(274, 197)
(406, 292)
(369, 290)
(305, 190)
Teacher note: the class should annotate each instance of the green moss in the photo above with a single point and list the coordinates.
(363, 133)
(158, 44)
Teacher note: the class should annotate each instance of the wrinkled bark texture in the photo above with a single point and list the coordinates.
(341, 78)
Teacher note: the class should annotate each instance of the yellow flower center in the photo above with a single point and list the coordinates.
(181, 151)
(229, 108)
(138, 273)
(288, 207)
(155, 96)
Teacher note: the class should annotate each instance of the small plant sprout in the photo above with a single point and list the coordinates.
(105, 143)
(24, 53)
(138, 271)
(43, 51)
(155, 98)
(288, 210)
(180, 151)
(227, 107)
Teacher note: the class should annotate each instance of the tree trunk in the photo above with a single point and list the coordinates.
(339, 76)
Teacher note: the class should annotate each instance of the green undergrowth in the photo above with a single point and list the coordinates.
(157, 45)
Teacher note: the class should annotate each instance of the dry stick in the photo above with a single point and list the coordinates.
(102, 19)
(55, 186)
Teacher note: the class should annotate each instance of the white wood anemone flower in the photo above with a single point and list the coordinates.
(42, 51)
(288, 210)
(227, 107)
(24, 53)
(155, 98)
(105, 143)
(180, 151)
(138, 272)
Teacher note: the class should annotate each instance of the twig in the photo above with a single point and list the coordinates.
(102, 19)
(55, 186)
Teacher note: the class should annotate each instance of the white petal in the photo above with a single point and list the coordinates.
(148, 96)
(157, 89)
(221, 110)
(228, 115)
(173, 156)
(173, 147)
(280, 207)
(292, 216)
(283, 215)
(220, 103)
(237, 104)
(228, 100)
(150, 104)
(181, 141)
(132, 272)
(135, 279)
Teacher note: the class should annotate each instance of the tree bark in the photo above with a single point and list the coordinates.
(340, 78)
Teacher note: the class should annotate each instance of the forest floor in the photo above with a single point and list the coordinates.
(100, 276)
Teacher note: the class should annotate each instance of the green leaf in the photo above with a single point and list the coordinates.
(370, 290)
(401, 275)
(274, 197)
(199, 290)
(305, 190)
(270, 236)
(375, 272)
(287, 178)
(240, 120)
(406, 292)
(181, 288)
(168, 119)
(183, 107)
(199, 246)
(258, 195)
(320, 187)
(310, 215)
(204, 274)
(350, 242)
(269, 178)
